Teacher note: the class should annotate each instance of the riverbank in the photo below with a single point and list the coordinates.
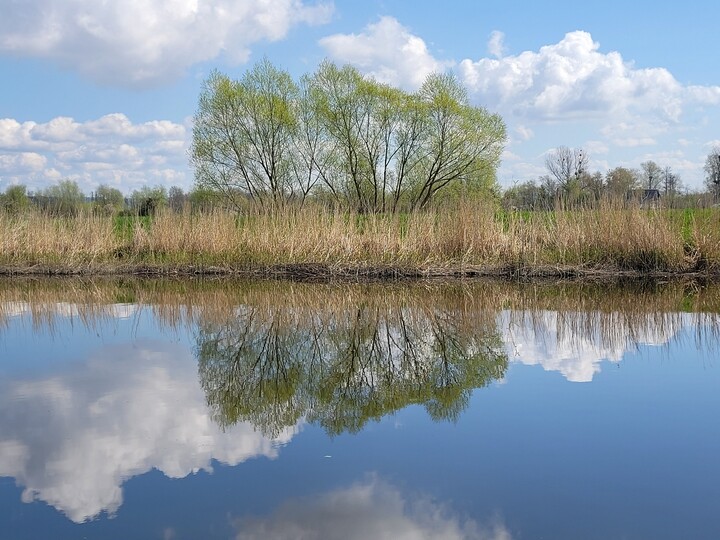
(470, 240)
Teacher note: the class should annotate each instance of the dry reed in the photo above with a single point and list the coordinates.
(469, 239)
(82, 243)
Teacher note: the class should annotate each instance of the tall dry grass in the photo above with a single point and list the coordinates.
(617, 238)
(470, 238)
(314, 236)
(81, 243)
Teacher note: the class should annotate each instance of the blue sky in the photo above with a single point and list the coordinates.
(104, 92)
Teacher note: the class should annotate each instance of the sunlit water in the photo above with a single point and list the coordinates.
(188, 409)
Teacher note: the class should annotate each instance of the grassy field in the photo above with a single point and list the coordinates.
(468, 240)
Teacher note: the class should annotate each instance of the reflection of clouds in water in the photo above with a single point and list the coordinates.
(72, 439)
(14, 309)
(64, 309)
(550, 339)
(371, 509)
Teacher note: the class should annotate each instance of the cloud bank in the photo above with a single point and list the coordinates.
(560, 84)
(574, 78)
(636, 113)
(564, 80)
(139, 43)
(110, 150)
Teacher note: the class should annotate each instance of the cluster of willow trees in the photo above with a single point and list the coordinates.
(338, 135)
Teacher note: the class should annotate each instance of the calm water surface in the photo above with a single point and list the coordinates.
(231, 409)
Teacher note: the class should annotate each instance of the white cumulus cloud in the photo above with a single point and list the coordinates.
(496, 44)
(108, 150)
(140, 43)
(21, 163)
(572, 78)
(387, 51)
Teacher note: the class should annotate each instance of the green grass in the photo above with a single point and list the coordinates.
(124, 226)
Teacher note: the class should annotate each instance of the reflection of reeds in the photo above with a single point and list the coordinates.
(610, 312)
(342, 354)
(469, 239)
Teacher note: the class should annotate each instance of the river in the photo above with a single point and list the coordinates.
(183, 409)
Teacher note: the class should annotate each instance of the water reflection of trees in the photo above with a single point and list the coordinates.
(341, 354)
(341, 367)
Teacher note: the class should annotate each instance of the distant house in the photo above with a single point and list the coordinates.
(645, 198)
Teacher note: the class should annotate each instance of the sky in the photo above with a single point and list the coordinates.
(105, 92)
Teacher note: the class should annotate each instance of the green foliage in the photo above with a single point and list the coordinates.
(204, 199)
(687, 226)
(462, 146)
(108, 200)
(146, 201)
(620, 181)
(530, 196)
(338, 134)
(15, 200)
(243, 135)
(62, 199)
(124, 225)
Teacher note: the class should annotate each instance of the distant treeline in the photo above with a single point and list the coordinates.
(620, 185)
(67, 199)
(570, 182)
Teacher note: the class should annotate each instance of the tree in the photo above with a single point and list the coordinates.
(651, 175)
(529, 196)
(243, 135)
(366, 145)
(204, 199)
(147, 200)
(567, 166)
(592, 186)
(15, 200)
(712, 173)
(620, 181)
(670, 183)
(271, 365)
(62, 199)
(313, 163)
(374, 136)
(409, 139)
(176, 199)
(462, 145)
(108, 199)
(335, 93)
